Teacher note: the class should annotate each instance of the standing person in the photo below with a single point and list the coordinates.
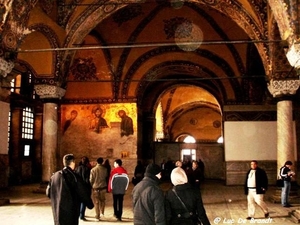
(286, 174)
(256, 185)
(118, 184)
(202, 168)
(195, 175)
(148, 198)
(178, 164)
(138, 173)
(83, 170)
(184, 202)
(108, 167)
(66, 191)
(99, 186)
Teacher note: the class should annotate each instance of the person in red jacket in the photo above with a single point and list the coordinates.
(118, 184)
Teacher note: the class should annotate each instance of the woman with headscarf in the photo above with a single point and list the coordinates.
(184, 202)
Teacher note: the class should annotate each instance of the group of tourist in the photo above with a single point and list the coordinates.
(72, 189)
(194, 170)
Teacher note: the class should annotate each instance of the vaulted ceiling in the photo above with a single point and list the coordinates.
(182, 54)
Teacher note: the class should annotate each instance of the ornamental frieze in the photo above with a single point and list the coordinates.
(49, 91)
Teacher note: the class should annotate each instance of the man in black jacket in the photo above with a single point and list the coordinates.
(286, 174)
(148, 198)
(66, 191)
(256, 185)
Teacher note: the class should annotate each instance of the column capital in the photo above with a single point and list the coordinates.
(49, 91)
(279, 88)
(5, 67)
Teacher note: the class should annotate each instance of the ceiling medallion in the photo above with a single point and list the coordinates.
(10, 40)
(193, 121)
(216, 124)
(187, 35)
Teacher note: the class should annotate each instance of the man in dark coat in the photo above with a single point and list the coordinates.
(195, 176)
(66, 191)
(83, 170)
(148, 198)
(256, 185)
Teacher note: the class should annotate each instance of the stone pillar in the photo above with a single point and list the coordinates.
(283, 89)
(50, 94)
(285, 133)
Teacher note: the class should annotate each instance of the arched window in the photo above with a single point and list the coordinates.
(188, 154)
(189, 139)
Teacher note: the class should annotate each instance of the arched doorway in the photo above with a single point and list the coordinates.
(188, 126)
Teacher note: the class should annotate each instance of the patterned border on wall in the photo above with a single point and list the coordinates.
(250, 116)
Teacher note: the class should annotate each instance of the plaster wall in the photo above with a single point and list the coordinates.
(248, 140)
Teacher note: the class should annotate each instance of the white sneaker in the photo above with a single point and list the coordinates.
(101, 215)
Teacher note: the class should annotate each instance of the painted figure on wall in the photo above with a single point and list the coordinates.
(98, 122)
(126, 124)
(68, 122)
(108, 128)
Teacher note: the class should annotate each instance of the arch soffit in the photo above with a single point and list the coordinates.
(185, 109)
(49, 34)
(184, 68)
(254, 27)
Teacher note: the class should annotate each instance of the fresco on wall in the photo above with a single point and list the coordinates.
(94, 130)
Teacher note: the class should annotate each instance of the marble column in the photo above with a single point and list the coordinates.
(50, 95)
(283, 90)
(285, 133)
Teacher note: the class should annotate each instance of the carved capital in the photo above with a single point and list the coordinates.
(279, 88)
(5, 67)
(49, 91)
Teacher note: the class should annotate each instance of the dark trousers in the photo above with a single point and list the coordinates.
(118, 205)
(82, 210)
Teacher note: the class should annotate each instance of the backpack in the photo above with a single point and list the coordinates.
(119, 183)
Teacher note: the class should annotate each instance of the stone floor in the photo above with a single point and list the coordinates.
(223, 204)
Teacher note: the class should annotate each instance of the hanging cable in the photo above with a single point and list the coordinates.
(147, 45)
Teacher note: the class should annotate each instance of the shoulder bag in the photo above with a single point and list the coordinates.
(191, 214)
(279, 181)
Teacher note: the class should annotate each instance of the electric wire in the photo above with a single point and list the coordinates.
(147, 45)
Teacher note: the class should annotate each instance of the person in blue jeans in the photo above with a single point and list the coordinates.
(286, 174)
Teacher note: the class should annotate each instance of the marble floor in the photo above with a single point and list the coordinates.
(223, 204)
